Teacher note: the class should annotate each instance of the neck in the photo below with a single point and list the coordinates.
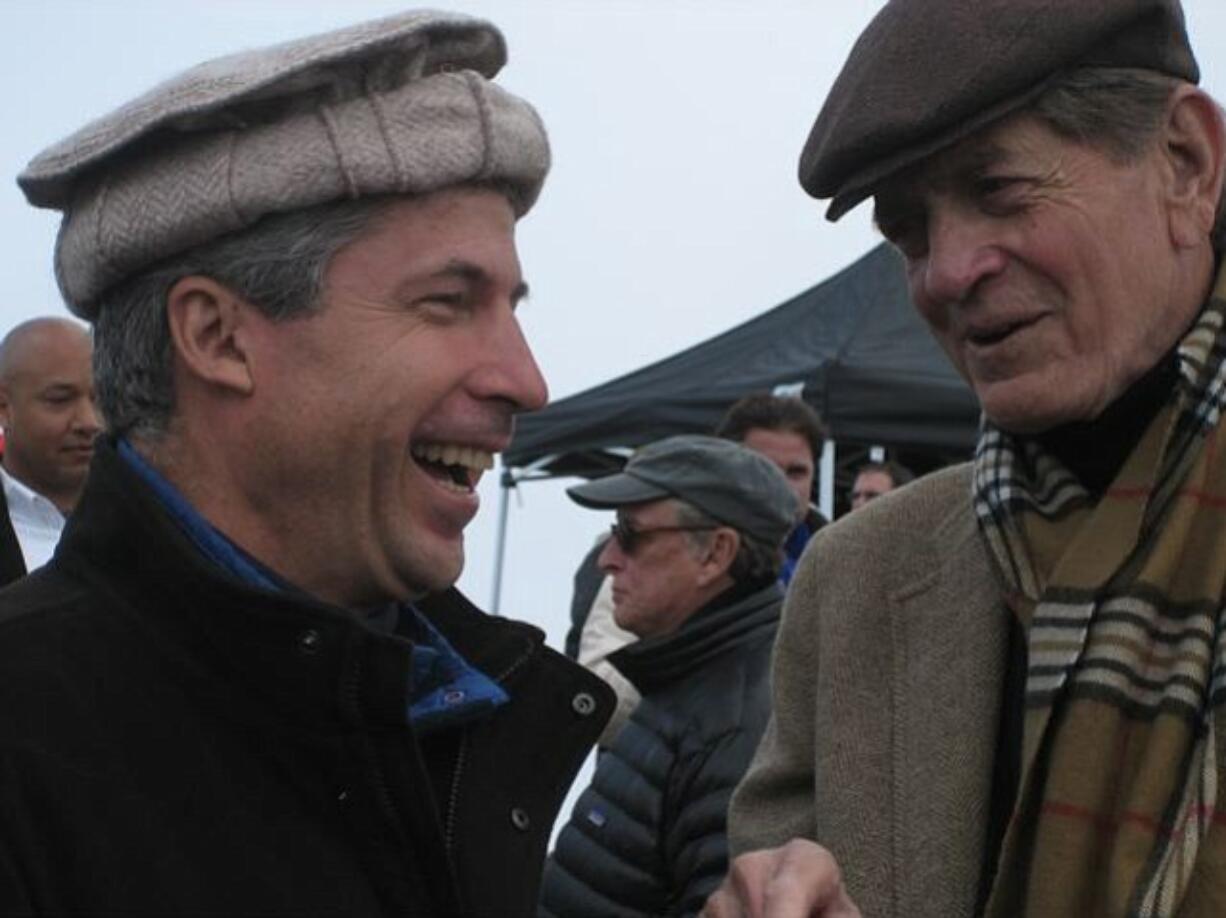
(214, 484)
(1094, 451)
(204, 481)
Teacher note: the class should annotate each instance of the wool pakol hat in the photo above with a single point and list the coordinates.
(402, 105)
(729, 482)
(925, 74)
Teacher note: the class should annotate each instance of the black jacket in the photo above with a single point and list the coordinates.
(174, 742)
(648, 836)
(12, 561)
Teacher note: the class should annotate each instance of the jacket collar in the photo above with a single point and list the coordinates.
(729, 620)
(312, 661)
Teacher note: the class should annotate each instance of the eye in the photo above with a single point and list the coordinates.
(907, 234)
(445, 305)
(901, 216)
(999, 193)
(991, 184)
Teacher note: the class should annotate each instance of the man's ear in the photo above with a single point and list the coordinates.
(721, 551)
(208, 327)
(5, 406)
(1195, 146)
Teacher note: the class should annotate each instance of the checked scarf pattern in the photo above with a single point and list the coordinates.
(1124, 736)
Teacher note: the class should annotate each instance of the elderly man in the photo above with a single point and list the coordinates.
(999, 690)
(47, 411)
(244, 685)
(693, 559)
(787, 432)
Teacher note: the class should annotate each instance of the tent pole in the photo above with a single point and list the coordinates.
(506, 482)
(825, 499)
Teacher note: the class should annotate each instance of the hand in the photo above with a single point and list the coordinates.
(798, 880)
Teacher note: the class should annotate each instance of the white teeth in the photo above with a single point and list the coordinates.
(454, 454)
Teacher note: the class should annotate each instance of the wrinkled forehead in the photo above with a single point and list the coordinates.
(1020, 141)
(906, 189)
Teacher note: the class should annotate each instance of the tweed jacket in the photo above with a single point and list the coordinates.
(887, 681)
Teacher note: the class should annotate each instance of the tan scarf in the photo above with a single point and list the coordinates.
(1124, 741)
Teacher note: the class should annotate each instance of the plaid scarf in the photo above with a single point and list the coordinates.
(1124, 737)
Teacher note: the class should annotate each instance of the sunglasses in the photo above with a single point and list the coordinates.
(628, 538)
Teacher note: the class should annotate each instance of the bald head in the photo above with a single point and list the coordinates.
(47, 407)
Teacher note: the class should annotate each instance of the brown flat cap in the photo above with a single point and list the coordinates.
(402, 105)
(927, 73)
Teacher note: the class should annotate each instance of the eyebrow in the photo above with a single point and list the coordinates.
(475, 274)
(57, 388)
(972, 161)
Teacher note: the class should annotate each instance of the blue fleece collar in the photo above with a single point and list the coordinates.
(444, 690)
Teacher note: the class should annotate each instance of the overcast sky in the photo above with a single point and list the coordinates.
(672, 212)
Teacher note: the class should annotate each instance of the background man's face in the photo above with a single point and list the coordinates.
(382, 409)
(47, 411)
(1043, 267)
(869, 484)
(654, 585)
(790, 452)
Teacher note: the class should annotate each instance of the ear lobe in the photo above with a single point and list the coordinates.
(1194, 144)
(207, 326)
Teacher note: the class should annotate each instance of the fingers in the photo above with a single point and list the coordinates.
(798, 880)
(741, 894)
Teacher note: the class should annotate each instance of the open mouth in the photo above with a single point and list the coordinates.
(457, 468)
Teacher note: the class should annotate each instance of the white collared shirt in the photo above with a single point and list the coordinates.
(36, 521)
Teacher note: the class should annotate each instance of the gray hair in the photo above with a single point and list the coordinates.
(755, 560)
(277, 265)
(1117, 111)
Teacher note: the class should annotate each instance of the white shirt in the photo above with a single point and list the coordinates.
(36, 521)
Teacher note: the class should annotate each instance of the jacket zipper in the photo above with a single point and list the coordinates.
(453, 797)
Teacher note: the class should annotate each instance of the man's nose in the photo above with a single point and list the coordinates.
(611, 557)
(512, 373)
(86, 418)
(961, 253)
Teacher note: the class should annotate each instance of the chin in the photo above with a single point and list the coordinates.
(442, 574)
(1025, 411)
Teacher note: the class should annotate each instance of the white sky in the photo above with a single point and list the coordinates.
(672, 212)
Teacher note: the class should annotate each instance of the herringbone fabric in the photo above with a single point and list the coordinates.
(1122, 603)
(403, 105)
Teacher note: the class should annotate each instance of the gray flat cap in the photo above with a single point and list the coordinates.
(402, 105)
(927, 73)
(729, 482)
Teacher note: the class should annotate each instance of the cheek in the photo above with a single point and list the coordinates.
(47, 423)
(1126, 343)
(940, 329)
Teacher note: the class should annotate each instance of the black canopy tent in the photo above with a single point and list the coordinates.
(852, 346)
